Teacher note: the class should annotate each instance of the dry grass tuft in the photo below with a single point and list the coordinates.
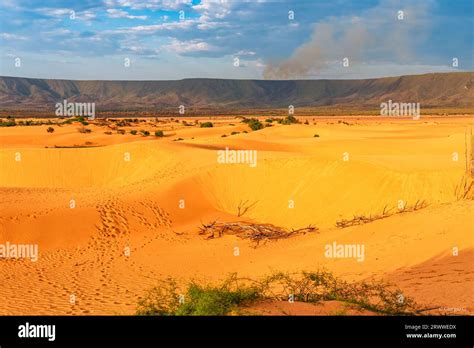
(363, 219)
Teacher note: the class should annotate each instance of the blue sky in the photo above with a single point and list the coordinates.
(174, 39)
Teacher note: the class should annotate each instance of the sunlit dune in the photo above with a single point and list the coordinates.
(84, 198)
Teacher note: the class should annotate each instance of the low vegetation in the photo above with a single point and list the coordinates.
(290, 119)
(84, 130)
(207, 125)
(159, 133)
(255, 232)
(234, 295)
(8, 123)
(363, 219)
(50, 130)
(253, 123)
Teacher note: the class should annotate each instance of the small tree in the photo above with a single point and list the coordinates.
(50, 130)
(159, 133)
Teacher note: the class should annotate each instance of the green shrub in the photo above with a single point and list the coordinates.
(253, 123)
(290, 119)
(133, 132)
(8, 124)
(234, 293)
(214, 300)
(269, 120)
(207, 125)
(50, 130)
(145, 133)
(159, 133)
(199, 300)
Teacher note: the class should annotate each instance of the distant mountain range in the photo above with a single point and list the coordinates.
(430, 90)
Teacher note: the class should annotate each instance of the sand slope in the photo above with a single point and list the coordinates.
(135, 204)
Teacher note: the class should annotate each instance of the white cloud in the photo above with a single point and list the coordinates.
(150, 4)
(150, 29)
(8, 36)
(188, 46)
(116, 13)
(67, 13)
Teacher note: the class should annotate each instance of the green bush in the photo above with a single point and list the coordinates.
(145, 133)
(8, 124)
(133, 132)
(159, 133)
(235, 293)
(199, 300)
(253, 123)
(269, 120)
(214, 301)
(290, 119)
(50, 130)
(207, 125)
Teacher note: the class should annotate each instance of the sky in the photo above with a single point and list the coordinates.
(176, 39)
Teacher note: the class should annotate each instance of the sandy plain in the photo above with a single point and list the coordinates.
(154, 202)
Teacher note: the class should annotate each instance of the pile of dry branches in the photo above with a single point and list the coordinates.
(362, 219)
(252, 231)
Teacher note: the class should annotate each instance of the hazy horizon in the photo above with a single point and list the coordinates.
(243, 79)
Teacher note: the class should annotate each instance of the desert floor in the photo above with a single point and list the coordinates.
(155, 202)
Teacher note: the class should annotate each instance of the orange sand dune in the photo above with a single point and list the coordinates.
(150, 195)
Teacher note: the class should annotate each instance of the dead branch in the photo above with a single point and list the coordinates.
(243, 207)
(362, 219)
(255, 232)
